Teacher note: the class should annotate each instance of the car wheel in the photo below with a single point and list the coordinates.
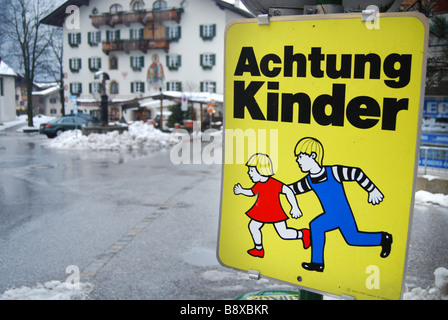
(58, 132)
(51, 136)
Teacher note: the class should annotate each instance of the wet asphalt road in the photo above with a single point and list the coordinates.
(137, 226)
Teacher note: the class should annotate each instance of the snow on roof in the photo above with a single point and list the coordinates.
(5, 70)
(46, 91)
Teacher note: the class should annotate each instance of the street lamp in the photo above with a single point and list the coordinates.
(104, 97)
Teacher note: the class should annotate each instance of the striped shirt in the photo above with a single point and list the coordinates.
(340, 173)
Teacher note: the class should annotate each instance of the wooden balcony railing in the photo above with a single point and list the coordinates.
(143, 17)
(129, 45)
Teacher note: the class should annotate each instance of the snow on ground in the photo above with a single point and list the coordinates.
(51, 290)
(437, 292)
(425, 197)
(23, 119)
(139, 136)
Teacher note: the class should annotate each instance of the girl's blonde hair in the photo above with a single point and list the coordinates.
(308, 146)
(262, 163)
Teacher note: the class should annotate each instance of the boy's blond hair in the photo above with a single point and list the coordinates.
(262, 163)
(308, 146)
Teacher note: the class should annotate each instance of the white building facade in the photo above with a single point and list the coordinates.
(147, 47)
(7, 93)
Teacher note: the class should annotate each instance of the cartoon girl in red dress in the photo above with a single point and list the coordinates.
(267, 208)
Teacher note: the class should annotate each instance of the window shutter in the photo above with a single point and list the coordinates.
(107, 35)
(78, 38)
(90, 87)
(89, 38)
(179, 60)
(179, 29)
(213, 30)
(132, 87)
(142, 61)
(201, 59)
(213, 59)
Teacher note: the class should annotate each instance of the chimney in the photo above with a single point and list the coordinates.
(237, 3)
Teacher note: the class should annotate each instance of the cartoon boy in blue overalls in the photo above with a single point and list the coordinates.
(326, 182)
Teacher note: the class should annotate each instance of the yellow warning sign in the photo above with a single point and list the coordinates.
(322, 128)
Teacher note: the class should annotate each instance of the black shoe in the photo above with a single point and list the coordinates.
(386, 244)
(311, 266)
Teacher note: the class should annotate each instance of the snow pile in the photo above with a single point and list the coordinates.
(140, 136)
(23, 119)
(51, 290)
(438, 292)
(423, 197)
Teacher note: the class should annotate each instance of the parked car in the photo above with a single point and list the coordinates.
(55, 127)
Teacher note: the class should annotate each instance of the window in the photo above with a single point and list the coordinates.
(159, 5)
(53, 100)
(112, 35)
(137, 86)
(113, 63)
(76, 88)
(173, 33)
(115, 8)
(207, 31)
(74, 39)
(137, 63)
(75, 64)
(95, 87)
(1, 87)
(207, 60)
(174, 86)
(208, 86)
(136, 34)
(94, 38)
(173, 61)
(67, 121)
(137, 6)
(113, 87)
(94, 64)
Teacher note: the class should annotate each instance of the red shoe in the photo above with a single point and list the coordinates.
(306, 238)
(256, 253)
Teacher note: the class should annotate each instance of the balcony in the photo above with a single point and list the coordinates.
(143, 17)
(129, 45)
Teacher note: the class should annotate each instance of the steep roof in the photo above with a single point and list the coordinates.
(5, 70)
(57, 17)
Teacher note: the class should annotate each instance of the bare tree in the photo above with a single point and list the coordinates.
(28, 39)
(53, 64)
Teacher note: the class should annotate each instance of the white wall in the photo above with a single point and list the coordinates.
(7, 100)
